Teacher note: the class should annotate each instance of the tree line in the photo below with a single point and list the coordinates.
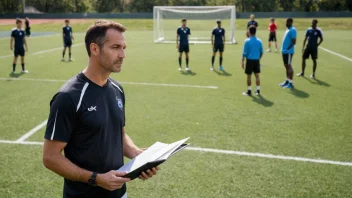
(109, 6)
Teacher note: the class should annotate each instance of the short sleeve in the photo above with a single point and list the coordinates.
(71, 30)
(213, 32)
(320, 33)
(223, 32)
(189, 31)
(293, 34)
(178, 31)
(307, 33)
(13, 34)
(256, 24)
(62, 118)
(63, 30)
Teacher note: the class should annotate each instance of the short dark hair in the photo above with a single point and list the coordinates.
(290, 20)
(218, 21)
(315, 21)
(66, 21)
(96, 33)
(18, 20)
(183, 20)
(252, 29)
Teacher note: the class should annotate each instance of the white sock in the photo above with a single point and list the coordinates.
(258, 87)
(290, 81)
(249, 88)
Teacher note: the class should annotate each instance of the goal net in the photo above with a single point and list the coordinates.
(200, 19)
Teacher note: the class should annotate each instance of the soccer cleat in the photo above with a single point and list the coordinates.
(268, 50)
(284, 83)
(257, 92)
(212, 69)
(312, 76)
(13, 72)
(179, 69)
(221, 68)
(300, 74)
(289, 86)
(25, 71)
(63, 59)
(187, 69)
(247, 93)
(70, 59)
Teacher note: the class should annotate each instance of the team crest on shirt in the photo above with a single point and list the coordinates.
(315, 33)
(119, 103)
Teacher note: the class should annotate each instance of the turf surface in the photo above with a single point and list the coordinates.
(310, 121)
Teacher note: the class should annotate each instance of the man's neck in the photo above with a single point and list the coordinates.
(96, 74)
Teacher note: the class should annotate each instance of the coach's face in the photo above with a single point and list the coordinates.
(113, 51)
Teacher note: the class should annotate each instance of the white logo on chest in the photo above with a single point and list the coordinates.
(92, 108)
(119, 103)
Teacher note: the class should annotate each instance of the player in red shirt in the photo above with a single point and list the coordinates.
(272, 35)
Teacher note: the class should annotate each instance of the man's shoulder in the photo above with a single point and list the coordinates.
(74, 87)
(13, 29)
(116, 84)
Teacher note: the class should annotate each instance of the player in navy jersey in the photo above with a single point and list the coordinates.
(28, 27)
(68, 37)
(218, 43)
(312, 35)
(182, 43)
(19, 36)
(250, 23)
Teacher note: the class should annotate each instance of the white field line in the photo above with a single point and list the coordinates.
(229, 152)
(337, 54)
(44, 51)
(31, 132)
(130, 83)
(271, 156)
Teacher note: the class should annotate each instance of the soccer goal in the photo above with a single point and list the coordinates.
(200, 19)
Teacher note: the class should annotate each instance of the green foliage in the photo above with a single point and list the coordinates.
(328, 5)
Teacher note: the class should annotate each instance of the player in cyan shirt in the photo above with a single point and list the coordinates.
(68, 37)
(19, 36)
(312, 35)
(182, 43)
(218, 42)
(287, 50)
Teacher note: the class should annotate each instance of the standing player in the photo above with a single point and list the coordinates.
(19, 36)
(28, 27)
(68, 37)
(183, 46)
(287, 50)
(272, 34)
(311, 49)
(219, 35)
(250, 23)
(252, 53)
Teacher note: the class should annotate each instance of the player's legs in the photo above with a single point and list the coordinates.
(287, 58)
(305, 56)
(248, 71)
(257, 82)
(180, 60)
(213, 57)
(14, 63)
(314, 67)
(187, 59)
(69, 53)
(269, 43)
(63, 53)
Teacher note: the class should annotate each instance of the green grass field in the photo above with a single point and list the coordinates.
(311, 121)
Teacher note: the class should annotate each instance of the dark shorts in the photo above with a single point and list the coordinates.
(67, 43)
(287, 58)
(312, 52)
(252, 66)
(272, 37)
(218, 47)
(28, 31)
(19, 52)
(183, 48)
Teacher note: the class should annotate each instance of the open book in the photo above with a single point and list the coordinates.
(152, 157)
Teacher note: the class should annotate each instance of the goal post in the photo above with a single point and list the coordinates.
(200, 19)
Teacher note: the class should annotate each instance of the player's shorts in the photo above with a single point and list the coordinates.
(312, 52)
(272, 37)
(28, 31)
(19, 52)
(252, 66)
(287, 58)
(218, 47)
(67, 43)
(183, 48)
